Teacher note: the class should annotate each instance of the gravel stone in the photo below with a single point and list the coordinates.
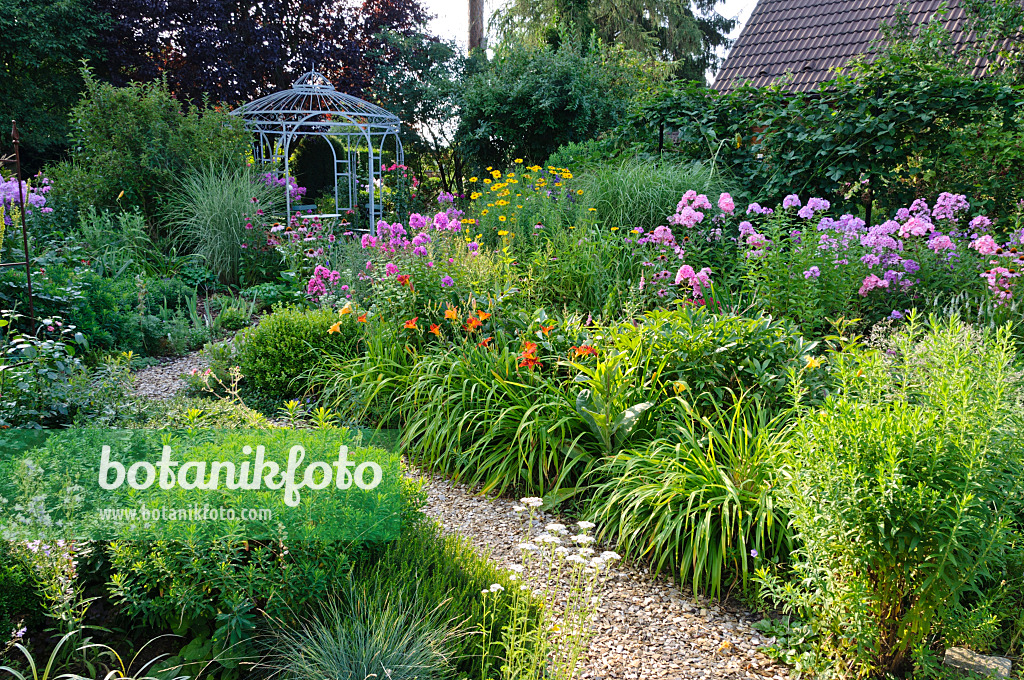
(645, 626)
(165, 380)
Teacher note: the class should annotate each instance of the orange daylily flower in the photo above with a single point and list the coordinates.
(411, 323)
(451, 314)
(336, 328)
(472, 323)
(585, 350)
(404, 279)
(547, 329)
(347, 309)
(435, 329)
(486, 341)
(529, 348)
(529, 362)
(484, 316)
(362, 318)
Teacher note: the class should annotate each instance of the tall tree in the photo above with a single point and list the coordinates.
(234, 50)
(685, 32)
(43, 41)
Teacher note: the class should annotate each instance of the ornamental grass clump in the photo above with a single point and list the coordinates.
(903, 494)
(364, 635)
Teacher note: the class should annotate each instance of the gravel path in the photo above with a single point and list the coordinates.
(164, 381)
(645, 627)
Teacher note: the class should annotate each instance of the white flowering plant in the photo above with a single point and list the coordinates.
(555, 567)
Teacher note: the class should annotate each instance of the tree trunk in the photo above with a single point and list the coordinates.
(476, 24)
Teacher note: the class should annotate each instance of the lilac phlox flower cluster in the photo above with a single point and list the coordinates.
(791, 201)
(34, 196)
(756, 209)
(949, 206)
(271, 179)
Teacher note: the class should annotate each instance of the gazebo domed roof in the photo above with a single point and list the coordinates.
(313, 104)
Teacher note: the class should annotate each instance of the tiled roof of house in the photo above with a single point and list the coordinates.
(809, 37)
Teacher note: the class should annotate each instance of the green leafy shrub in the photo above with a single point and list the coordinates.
(886, 131)
(20, 602)
(707, 356)
(903, 493)
(139, 140)
(288, 342)
(700, 501)
(531, 100)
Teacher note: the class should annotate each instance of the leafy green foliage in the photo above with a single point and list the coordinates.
(886, 131)
(530, 101)
(700, 501)
(287, 342)
(20, 602)
(43, 43)
(709, 356)
(901, 492)
(139, 140)
(684, 33)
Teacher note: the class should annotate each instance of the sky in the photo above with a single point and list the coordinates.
(452, 19)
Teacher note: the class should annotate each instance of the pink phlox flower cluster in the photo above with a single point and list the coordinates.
(940, 242)
(687, 217)
(746, 229)
(697, 280)
(791, 201)
(420, 239)
(980, 223)
(322, 280)
(871, 282)
(726, 204)
(986, 245)
(916, 226)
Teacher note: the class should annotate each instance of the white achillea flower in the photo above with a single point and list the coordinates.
(578, 559)
(519, 508)
(562, 550)
(527, 546)
(585, 525)
(548, 538)
(555, 528)
(586, 552)
(518, 568)
(582, 539)
(496, 588)
(611, 556)
(532, 502)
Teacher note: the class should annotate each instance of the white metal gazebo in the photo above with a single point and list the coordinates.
(314, 108)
